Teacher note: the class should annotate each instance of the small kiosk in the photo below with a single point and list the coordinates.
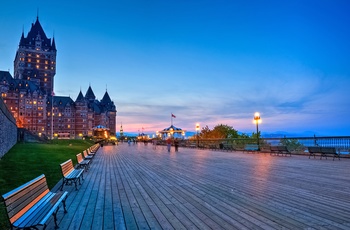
(172, 132)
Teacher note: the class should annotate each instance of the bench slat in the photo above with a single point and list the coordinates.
(42, 210)
(251, 148)
(23, 198)
(32, 203)
(69, 173)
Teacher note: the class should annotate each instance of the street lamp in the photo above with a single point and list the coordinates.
(257, 120)
(197, 129)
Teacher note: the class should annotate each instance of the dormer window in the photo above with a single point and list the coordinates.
(37, 45)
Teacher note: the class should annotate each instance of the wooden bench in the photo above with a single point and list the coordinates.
(280, 149)
(32, 204)
(94, 148)
(88, 156)
(70, 174)
(323, 152)
(251, 148)
(90, 153)
(83, 163)
(228, 147)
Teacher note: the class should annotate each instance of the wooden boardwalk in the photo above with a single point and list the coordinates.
(139, 187)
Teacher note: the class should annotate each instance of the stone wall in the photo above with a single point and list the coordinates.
(8, 129)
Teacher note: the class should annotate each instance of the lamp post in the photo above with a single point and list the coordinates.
(197, 129)
(257, 120)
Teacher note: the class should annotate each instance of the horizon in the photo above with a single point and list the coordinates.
(205, 62)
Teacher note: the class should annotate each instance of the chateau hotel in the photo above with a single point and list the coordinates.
(29, 93)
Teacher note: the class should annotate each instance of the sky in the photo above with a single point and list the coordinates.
(207, 62)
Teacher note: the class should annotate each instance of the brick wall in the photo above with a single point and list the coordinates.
(8, 129)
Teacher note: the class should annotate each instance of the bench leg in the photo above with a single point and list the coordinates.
(64, 205)
(55, 218)
(63, 181)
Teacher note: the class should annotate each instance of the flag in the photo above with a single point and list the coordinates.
(173, 115)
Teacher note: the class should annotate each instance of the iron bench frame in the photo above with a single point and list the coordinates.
(70, 174)
(323, 152)
(228, 147)
(83, 163)
(31, 204)
(280, 149)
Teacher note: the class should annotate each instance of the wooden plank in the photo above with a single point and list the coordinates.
(138, 186)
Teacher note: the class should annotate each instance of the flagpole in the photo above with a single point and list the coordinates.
(171, 117)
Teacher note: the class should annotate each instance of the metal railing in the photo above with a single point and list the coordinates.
(341, 143)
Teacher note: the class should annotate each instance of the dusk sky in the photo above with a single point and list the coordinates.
(207, 62)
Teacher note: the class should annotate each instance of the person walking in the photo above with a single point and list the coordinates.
(176, 144)
(168, 143)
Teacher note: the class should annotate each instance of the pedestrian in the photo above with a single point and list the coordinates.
(168, 142)
(176, 144)
(154, 142)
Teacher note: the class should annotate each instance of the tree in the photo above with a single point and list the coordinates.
(219, 132)
(205, 132)
(292, 144)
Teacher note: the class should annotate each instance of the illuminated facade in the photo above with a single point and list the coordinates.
(28, 94)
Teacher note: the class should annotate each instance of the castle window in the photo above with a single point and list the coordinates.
(37, 66)
(45, 79)
(29, 59)
(37, 61)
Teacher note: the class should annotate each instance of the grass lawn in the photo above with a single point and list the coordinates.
(25, 161)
